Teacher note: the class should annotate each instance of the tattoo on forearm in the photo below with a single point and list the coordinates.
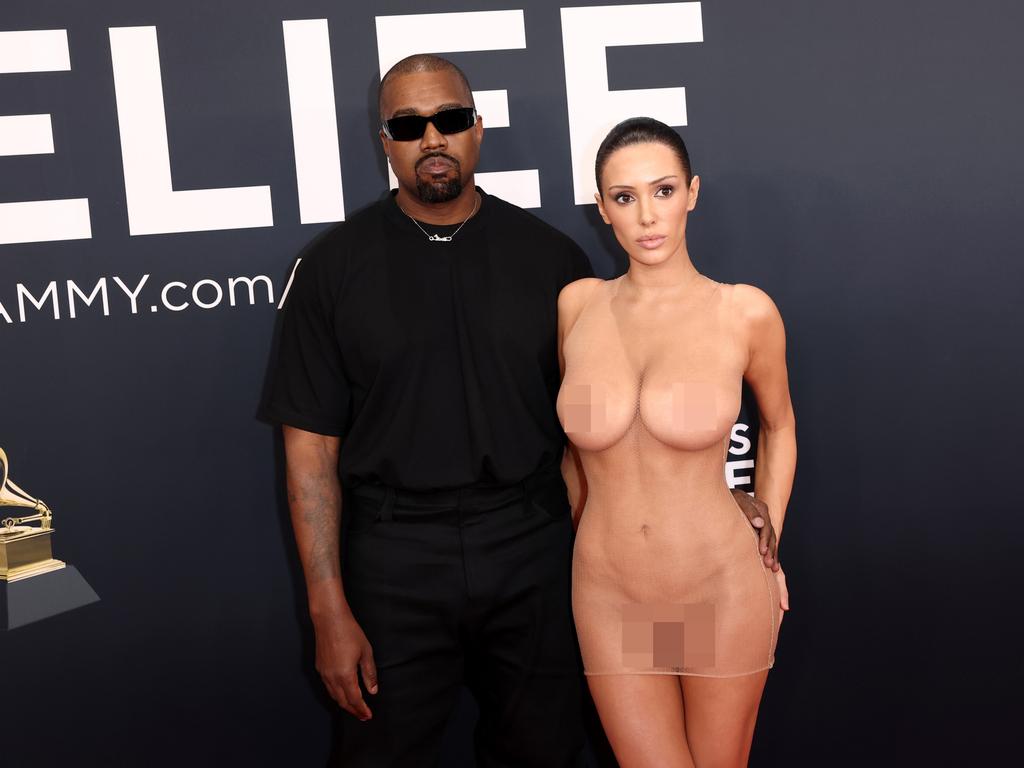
(316, 502)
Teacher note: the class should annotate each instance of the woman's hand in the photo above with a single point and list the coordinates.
(780, 579)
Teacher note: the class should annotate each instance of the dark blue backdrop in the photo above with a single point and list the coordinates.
(859, 162)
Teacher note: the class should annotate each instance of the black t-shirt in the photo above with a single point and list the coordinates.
(435, 362)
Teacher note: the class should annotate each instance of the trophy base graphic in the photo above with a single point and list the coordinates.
(33, 585)
(46, 594)
(26, 552)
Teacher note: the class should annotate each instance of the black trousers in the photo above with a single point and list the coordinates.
(464, 587)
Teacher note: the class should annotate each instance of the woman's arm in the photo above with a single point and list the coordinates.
(767, 376)
(575, 482)
(570, 303)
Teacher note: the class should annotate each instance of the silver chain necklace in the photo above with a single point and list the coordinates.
(443, 238)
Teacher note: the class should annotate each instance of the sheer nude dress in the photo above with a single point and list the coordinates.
(667, 577)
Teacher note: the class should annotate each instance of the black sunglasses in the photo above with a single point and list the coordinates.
(409, 127)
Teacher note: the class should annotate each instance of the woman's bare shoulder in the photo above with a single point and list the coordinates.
(575, 295)
(753, 304)
(571, 301)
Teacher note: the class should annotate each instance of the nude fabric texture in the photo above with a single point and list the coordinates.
(667, 577)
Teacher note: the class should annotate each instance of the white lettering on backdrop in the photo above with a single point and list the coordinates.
(154, 207)
(37, 220)
(307, 53)
(593, 108)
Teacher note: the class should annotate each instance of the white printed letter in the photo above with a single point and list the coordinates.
(37, 220)
(307, 53)
(593, 109)
(250, 283)
(153, 205)
(100, 290)
(167, 289)
(50, 293)
(739, 437)
(733, 479)
(133, 296)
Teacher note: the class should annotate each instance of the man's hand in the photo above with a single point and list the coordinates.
(757, 514)
(341, 649)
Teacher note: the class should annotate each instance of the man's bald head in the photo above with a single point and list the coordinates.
(421, 62)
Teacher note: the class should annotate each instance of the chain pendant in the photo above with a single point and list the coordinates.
(445, 238)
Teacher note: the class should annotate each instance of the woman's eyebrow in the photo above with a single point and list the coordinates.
(650, 183)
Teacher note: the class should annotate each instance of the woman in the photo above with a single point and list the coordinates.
(676, 613)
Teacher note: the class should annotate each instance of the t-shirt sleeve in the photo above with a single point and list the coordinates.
(307, 384)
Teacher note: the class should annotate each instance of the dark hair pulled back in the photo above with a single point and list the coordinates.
(641, 130)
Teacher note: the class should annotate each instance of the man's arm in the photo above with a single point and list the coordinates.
(314, 499)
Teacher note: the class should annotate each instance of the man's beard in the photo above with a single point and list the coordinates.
(439, 190)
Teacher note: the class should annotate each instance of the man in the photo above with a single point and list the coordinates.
(418, 371)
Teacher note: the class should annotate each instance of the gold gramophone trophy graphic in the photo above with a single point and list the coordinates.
(25, 550)
(33, 584)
